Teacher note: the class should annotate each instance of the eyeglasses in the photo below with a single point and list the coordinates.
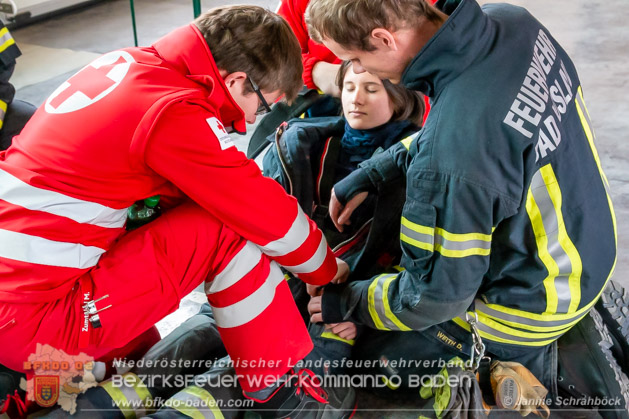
(264, 106)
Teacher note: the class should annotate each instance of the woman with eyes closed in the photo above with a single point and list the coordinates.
(310, 155)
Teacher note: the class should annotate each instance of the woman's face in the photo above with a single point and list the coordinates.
(366, 103)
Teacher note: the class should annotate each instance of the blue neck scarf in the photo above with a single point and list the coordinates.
(361, 144)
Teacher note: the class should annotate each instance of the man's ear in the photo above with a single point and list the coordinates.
(233, 78)
(383, 39)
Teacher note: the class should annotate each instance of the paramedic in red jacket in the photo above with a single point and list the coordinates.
(140, 122)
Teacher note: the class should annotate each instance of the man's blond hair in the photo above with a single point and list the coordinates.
(350, 22)
(256, 41)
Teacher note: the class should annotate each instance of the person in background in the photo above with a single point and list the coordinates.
(13, 113)
(320, 64)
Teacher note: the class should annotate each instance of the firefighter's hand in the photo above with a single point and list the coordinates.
(345, 330)
(342, 272)
(340, 214)
(314, 308)
(324, 77)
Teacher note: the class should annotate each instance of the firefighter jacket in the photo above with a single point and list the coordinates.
(135, 123)
(9, 51)
(304, 159)
(507, 208)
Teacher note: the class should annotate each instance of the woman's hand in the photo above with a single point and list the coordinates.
(340, 214)
(345, 330)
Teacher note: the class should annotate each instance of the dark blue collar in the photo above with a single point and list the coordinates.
(464, 38)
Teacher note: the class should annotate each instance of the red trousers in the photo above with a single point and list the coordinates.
(145, 275)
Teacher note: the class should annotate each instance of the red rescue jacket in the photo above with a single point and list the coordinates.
(135, 123)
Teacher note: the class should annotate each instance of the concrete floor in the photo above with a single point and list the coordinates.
(594, 32)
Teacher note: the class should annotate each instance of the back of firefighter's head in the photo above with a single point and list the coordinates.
(255, 41)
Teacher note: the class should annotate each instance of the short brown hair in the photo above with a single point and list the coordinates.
(256, 41)
(350, 22)
(407, 104)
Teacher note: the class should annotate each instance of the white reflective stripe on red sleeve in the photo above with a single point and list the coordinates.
(18, 192)
(250, 307)
(33, 249)
(292, 240)
(314, 262)
(241, 264)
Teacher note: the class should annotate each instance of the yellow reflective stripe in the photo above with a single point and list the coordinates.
(407, 141)
(206, 397)
(372, 304)
(387, 308)
(542, 252)
(388, 383)
(3, 106)
(554, 324)
(330, 335)
(417, 227)
(455, 237)
(574, 279)
(4, 33)
(459, 321)
(462, 253)
(422, 245)
(121, 401)
(588, 131)
(142, 391)
(447, 243)
(518, 332)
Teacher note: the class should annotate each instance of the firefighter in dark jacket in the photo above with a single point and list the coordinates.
(13, 114)
(508, 223)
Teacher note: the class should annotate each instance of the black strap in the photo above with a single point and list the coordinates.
(484, 381)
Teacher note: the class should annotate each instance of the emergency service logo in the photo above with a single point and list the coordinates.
(46, 390)
(92, 83)
(58, 377)
(218, 129)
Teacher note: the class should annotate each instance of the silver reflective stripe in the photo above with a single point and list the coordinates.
(481, 307)
(295, 237)
(195, 402)
(133, 399)
(586, 116)
(245, 260)
(33, 249)
(415, 235)
(314, 262)
(555, 250)
(251, 306)
(6, 36)
(20, 193)
(379, 303)
(488, 329)
(461, 245)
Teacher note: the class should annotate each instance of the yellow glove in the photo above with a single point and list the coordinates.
(516, 388)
